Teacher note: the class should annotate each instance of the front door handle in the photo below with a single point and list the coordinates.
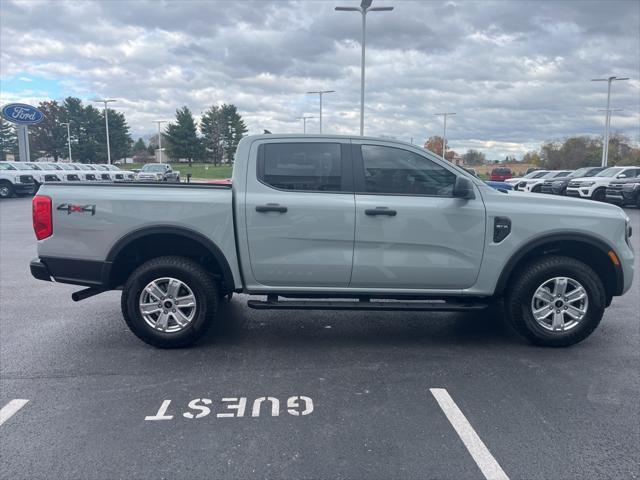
(271, 207)
(381, 211)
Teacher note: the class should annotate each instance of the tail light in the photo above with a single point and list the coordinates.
(42, 217)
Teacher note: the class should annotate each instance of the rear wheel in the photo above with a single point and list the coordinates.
(169, 302)
(556, 302)
(6, 190)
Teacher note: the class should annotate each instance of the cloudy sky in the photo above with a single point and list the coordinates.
(517, 73)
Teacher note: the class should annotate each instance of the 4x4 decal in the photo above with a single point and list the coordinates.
(71, 208)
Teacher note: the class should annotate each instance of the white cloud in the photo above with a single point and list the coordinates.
(516, 73)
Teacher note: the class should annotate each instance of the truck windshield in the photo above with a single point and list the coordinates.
(22, 166)
(610, 172)
(153, 168)
(6, 166)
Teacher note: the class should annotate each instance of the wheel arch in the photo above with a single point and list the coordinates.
(143, 244)
(591, 250)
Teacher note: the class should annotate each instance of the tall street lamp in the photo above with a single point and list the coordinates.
(320, 93)
(106, 122)
(607, 117)
(365, 7)
(160, 122)
(444, 133)
(68, 138)
(304, 122)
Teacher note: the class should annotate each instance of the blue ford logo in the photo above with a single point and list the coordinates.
(22, 114)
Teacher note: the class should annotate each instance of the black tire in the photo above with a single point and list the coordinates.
(6, 189)
(599, 195)
(520, 295)
(638, 200)
(190, 273)
(536, 189)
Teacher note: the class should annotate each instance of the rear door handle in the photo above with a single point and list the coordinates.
(271, 207)
(381, 211)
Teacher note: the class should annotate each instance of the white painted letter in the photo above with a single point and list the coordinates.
(238, 407)
(293, 403)
(161, 412)
(275, 406)
(204, 411)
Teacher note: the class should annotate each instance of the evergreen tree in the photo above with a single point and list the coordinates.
(119, 139)
(182, 137)
(234, 129)
(211, 127)
(139, 147)
(8, 139)
(48, 138)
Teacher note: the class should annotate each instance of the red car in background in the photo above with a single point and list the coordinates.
(500, 174)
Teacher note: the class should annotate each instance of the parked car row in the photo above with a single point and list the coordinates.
(24, 178)
(619, 185)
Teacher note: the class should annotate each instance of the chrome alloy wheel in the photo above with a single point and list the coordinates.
(167, 304)
(559, 304)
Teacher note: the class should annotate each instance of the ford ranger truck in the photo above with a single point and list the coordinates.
(335, 223)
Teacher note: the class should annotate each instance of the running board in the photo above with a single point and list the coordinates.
(433, 306)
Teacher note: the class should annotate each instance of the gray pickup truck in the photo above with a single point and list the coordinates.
(336, 223)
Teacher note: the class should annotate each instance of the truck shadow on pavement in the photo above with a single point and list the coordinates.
(237, 324)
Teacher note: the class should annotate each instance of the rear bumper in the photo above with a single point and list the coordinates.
(39, 270)
(89, 273)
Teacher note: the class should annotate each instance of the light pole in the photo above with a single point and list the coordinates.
(365, 6)
(160, 122)
(304, 122)
(68, 138)
(320, 93)
(444, 133)
(607, 117)
(106, 122)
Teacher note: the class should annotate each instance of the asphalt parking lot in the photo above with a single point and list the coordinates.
(354, 391)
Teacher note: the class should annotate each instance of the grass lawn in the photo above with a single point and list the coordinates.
(197, 170)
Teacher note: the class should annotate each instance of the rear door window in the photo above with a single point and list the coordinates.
(310, 167)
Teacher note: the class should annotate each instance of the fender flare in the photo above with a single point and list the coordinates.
(539, 241)
(211, 247)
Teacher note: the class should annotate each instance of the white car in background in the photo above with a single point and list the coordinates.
(39, 174)
(535, 184)
(535, 174)
(115, 173)
(68, 171)
(595, 187)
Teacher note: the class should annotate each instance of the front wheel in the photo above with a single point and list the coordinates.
(169, 302)
(599, 195)
(556, 301)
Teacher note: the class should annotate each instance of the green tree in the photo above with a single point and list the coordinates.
(139, 147)
(474, 157)
(182, 137)
(119, 139)
(8, 139)
(233, 130)
(211, 127)
(49, 138)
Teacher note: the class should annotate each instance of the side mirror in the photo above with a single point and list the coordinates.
(463, 188)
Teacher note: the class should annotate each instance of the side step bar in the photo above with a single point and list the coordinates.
(434, 306)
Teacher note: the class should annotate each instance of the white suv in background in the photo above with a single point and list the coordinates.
(595, 187)
(535, 184)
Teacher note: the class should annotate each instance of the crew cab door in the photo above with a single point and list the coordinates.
(411, 233)
(299, 211)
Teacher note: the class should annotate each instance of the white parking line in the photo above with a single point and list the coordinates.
(10, 409)
(479, 452)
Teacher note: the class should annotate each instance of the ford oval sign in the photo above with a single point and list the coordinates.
(22, 114)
